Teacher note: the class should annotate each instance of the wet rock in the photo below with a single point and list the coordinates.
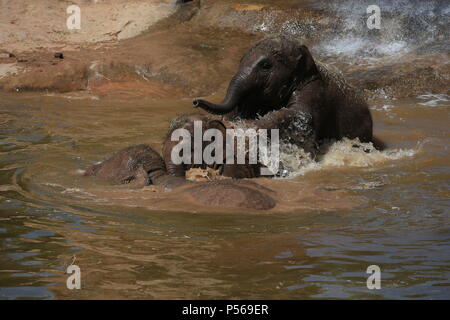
(6, 55)
(47, 77)
(8, 69)
(403, 79)
(194, 50)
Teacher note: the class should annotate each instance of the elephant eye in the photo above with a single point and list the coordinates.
(266, 65)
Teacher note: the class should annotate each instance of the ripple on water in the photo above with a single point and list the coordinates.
(434, 100)
(317, 246)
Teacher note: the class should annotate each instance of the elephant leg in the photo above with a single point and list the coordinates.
(295, 127)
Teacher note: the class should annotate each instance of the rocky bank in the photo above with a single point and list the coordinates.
(162, 48)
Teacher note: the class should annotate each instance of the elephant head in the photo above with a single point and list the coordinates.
(268, 74)
(187, 122)
(130, 165)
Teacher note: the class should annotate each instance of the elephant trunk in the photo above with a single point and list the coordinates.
(238, 88)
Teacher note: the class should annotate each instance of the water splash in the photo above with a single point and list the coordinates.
(343, 153)
(353, 153)
(405, 26)
(295, 161)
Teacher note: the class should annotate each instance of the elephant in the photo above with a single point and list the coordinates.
(232, 170)
(141, 165)
(295, 127)
(278, 79)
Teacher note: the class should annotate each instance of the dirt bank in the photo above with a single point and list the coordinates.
(160, 49)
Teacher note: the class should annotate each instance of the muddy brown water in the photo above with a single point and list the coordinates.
(333, 220)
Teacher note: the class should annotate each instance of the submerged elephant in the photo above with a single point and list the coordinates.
(279, 79)
(141, 165)
(232, 170)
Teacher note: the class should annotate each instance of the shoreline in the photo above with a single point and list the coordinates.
(192, 50)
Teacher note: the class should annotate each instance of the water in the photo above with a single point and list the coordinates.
(335, 217)
(350, 211)
(404, 26)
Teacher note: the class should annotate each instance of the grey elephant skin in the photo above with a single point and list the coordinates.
(278, 79)
(141, 165)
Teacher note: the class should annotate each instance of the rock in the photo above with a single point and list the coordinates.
(6, 55)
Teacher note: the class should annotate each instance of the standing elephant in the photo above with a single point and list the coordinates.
(278, 79)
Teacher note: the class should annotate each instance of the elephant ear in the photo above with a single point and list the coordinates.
(305, 62)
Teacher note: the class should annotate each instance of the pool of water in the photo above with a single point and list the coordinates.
(333, 220)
